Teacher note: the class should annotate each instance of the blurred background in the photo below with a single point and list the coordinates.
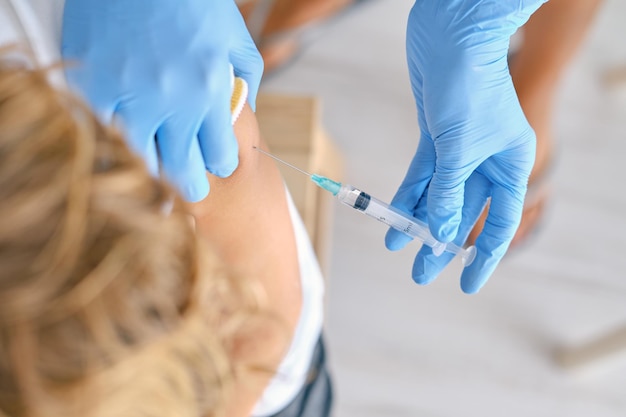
(398, 349)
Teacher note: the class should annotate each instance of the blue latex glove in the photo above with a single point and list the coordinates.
(475, 141)
(161, 70)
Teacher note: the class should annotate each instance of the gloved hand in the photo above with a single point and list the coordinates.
(475, 141)
(161, 69)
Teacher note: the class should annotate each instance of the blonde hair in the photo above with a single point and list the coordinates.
(108, 306)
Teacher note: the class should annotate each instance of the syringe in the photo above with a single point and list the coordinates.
(383, 212)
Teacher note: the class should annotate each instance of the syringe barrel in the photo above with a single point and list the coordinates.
(407, 224)
(391, 216)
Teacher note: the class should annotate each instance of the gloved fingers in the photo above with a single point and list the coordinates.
(140, 134)
(412, 190)
(216, 136)
(445, 201)
(503, 218)
(181, 158)
(248, 64)
(428, 266)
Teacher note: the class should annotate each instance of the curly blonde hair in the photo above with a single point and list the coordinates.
(106, 306)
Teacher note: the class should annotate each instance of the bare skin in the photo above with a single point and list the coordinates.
(246, 219)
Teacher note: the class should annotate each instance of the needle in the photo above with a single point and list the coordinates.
(280, 160)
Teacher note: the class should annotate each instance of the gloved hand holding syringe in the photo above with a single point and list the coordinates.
(383, 212)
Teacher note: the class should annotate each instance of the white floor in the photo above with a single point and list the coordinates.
(399, 349)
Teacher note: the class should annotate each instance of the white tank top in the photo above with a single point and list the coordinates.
(37, 23)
